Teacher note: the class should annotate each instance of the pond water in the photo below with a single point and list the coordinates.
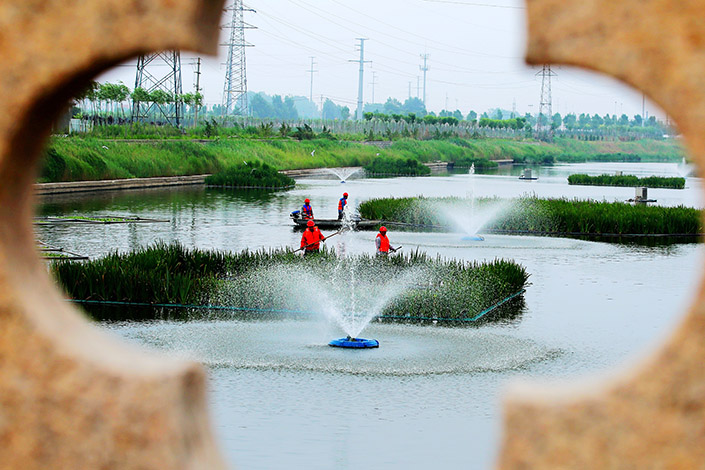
(430, 395)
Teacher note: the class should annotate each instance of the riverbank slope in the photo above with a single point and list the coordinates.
(78, 159)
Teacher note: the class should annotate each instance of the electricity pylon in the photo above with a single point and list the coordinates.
(159, 72)
(235, 87)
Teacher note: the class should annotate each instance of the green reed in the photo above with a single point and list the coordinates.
(280, 279)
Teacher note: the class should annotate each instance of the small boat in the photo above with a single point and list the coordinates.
(526, 175)
(327, 224)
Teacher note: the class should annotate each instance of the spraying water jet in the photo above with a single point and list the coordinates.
(343, 173)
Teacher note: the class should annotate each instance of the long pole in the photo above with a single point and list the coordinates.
(310, 95)
(361, 76)
(198, 90)
(424, 69)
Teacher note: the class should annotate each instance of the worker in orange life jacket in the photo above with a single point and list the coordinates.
(382, 242)
(307, 210)
(311, 238)
(341, 205)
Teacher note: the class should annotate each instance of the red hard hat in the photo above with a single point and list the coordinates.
(307, 200)
(383, 228)
(310, 223)
(345, 194)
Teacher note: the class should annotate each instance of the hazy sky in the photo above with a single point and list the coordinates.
(475, 57)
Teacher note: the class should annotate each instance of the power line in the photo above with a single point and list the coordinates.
(471, 4)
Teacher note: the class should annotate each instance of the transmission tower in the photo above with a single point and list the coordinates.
(235, 87)
(159, 72)
(544, 121)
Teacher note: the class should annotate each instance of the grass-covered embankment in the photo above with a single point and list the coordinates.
(253, 174)
(283, 281)
(545, 216)
(80, 159)
(627, 180)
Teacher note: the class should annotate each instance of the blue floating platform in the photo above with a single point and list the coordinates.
(473, 238)
(354, 343)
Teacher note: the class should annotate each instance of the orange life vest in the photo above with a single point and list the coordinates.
(311, 238)
(384, 243)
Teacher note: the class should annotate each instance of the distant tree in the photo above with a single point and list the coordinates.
(373, 108)
(638, 120)
(259, 107)
(160, 97)
(496, 114)
(485, 115)
(472, 116)
(330, 110)
(392, 106)
(415, 106)
(596, 121)
(570, 120)
(344, 113)
(623, 120)
(584, 120)
(556, 121)
(651, 122)
(430, 119)
(289, 111)
(458, 115)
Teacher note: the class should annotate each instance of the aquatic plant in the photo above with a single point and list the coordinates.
(280, 280)
(252, 174)
(627, 180)
(548, 216)
(387, 166)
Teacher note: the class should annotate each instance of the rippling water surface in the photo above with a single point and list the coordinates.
(429, 396)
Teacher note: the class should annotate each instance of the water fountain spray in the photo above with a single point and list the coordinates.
(343, 173)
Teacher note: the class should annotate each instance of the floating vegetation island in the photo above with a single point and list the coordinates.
(413, 287)
(556, 217)
(253, 174)
(627, 180)
(391, 166)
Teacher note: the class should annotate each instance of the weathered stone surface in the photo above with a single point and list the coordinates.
(652, 416)
(70, 396)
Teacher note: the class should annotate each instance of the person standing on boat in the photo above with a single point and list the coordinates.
(382, 242)
(307, 210)
(311, 238)
(341, 205)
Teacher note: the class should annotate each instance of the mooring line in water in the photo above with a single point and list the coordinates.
(473, 319)
(274, 310)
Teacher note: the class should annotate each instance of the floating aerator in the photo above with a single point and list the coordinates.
(474, 238)
(354, 343)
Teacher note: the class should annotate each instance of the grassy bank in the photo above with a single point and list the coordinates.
(274, 280)
(627, 180)
(549, 216)
(79, 159)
